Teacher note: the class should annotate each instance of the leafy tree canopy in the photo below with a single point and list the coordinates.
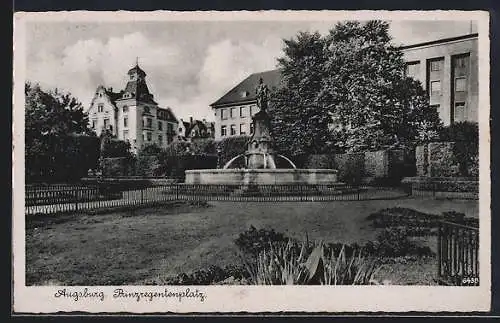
(347, 91)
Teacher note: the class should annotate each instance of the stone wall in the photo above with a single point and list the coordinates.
(422, 160)
(437, 159)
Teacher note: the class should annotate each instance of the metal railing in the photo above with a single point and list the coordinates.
(74, 198)
(458, 254)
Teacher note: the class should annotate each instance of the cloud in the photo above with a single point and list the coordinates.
(84, 65)
(224, 64)
(180, 77)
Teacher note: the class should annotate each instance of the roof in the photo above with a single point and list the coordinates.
(201, 126)
(439, 41)
(113, 96)
(139, 90)
(136, 69)
(169, 114)
(235, 95)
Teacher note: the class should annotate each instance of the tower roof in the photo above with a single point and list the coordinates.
(136, 70)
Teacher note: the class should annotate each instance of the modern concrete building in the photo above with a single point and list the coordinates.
(132, 114)
(447, 69)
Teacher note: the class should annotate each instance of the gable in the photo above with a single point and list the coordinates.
(245, 90)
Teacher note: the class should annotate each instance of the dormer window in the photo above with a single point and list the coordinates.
(131, 76)
(244, 94)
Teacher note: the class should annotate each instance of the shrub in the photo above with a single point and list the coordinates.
(231, 147)
(253, 241)
(466, 149)
(395, 242)
(296, 264)
(208, 276)
(115, 148)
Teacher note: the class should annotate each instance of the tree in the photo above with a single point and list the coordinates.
(348, 91)
(58, 143)
(299, 122)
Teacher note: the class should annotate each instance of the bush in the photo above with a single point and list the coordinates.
(211, 275)
(116, 148)
(394, 242)
(61, 158)
(466, 149)
(231, 147)
(304, 264)
(254, 241)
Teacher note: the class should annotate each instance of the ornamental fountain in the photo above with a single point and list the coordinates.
(260, 160)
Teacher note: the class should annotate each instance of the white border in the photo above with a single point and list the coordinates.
(257, 298)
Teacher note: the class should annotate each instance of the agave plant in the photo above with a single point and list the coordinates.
(300, 264)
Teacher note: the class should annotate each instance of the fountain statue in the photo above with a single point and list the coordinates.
(260, 159)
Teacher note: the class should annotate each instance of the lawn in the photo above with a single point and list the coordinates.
(134, 247)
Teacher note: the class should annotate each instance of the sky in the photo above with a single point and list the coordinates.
(189, 64)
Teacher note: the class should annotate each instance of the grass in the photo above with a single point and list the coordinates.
(131, 247)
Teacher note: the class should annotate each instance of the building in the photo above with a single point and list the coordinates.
(195, 129)
(234, 111)
(447, 69)
(132, 114)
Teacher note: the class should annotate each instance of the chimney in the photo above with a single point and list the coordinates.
(190, 120)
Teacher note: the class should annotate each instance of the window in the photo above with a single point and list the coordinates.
(435, 66)
(223, 114)
(94, 124)
(435, 106)
(146, 110)
(460, 84)
(160, 125)
(131, 76)
(125, 109)
(106, 123)
(253, 110)
(233, 130)
(251, 128)
(223, 131)
(125, 135)
(461, 61)
(143, 138)
(413, 69)
(100, 107)
(100, 95)
(459, 113)
(149, 136)
(243, 112)
(435, 87)
(149, 123)
(125, 122)
(170, 128)
(160, 139)
(243, 129)
(232, 113)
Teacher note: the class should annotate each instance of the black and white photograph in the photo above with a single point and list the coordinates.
(251, 161)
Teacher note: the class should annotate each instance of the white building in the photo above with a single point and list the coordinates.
(132, 114)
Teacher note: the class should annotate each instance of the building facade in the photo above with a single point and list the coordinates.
(194, 128)
(447, 69)
(132, 114)
(234, 111)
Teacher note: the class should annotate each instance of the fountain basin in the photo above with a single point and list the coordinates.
(261, 176)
